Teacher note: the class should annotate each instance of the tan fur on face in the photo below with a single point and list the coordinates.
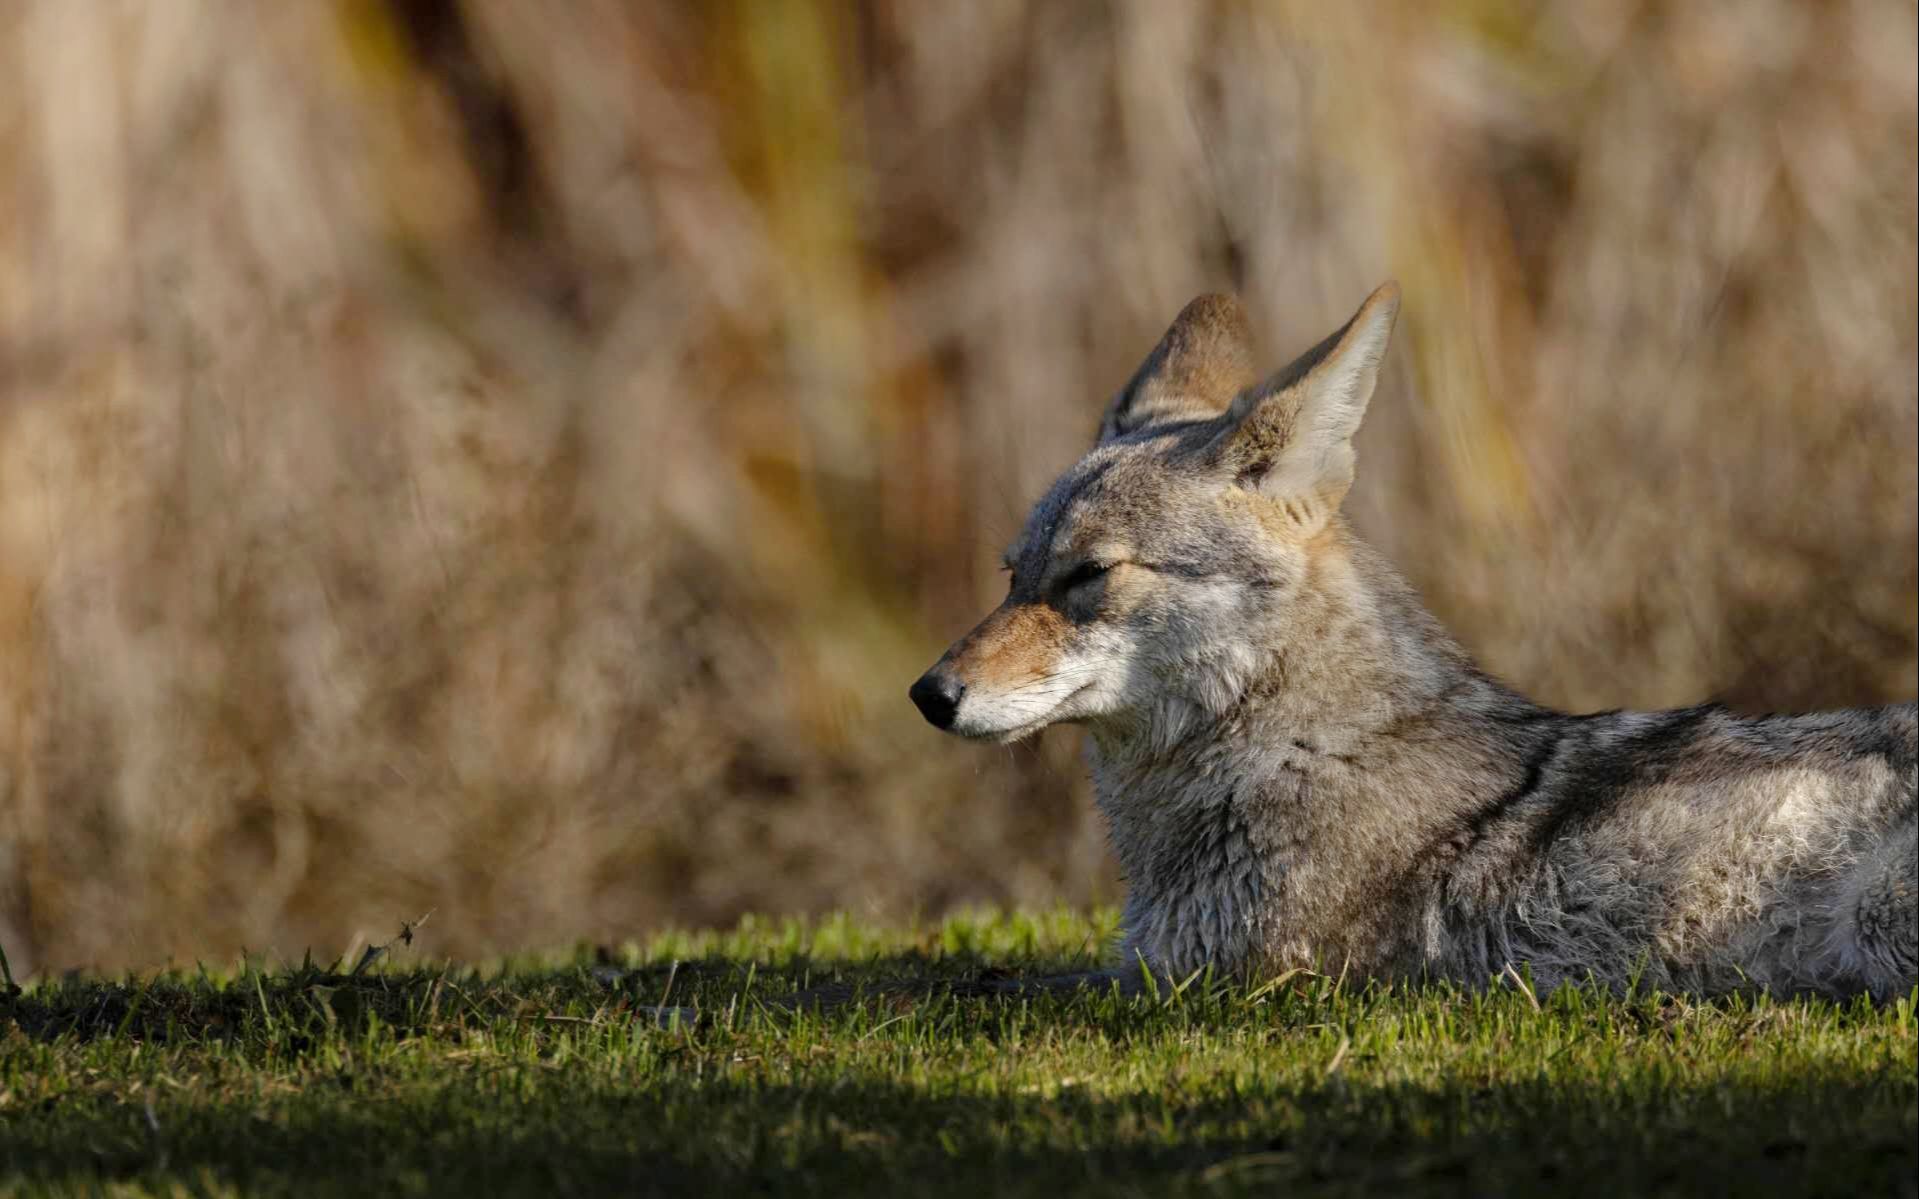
(1019, 643)
(1289, 520)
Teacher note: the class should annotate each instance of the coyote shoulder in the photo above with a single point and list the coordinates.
(1298, 767)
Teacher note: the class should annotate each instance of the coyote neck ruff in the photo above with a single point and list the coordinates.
(1298, 767)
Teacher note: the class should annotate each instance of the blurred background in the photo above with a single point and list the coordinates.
(510, 459)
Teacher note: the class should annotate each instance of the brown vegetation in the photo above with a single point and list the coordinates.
(511, 459)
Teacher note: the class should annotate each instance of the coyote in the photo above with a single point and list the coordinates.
(1299, 768)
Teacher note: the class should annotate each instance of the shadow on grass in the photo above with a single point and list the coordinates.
(548, 1132)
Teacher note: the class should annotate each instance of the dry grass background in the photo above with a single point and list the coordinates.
(510, 459)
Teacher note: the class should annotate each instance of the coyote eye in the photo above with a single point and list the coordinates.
(1084, 573)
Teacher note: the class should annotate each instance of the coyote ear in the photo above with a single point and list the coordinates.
(1291, 437)
(1193, 374)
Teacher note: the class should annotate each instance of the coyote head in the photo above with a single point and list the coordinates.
(1157, 571)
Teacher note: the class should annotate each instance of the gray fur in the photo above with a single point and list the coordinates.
(1299, 768)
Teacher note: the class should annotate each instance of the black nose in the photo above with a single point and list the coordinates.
(937, 696)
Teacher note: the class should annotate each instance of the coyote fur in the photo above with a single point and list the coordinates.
(1299, 768)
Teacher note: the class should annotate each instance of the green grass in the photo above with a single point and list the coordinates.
(538, 1076)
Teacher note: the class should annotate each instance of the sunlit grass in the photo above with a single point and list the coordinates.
(542, 1075)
